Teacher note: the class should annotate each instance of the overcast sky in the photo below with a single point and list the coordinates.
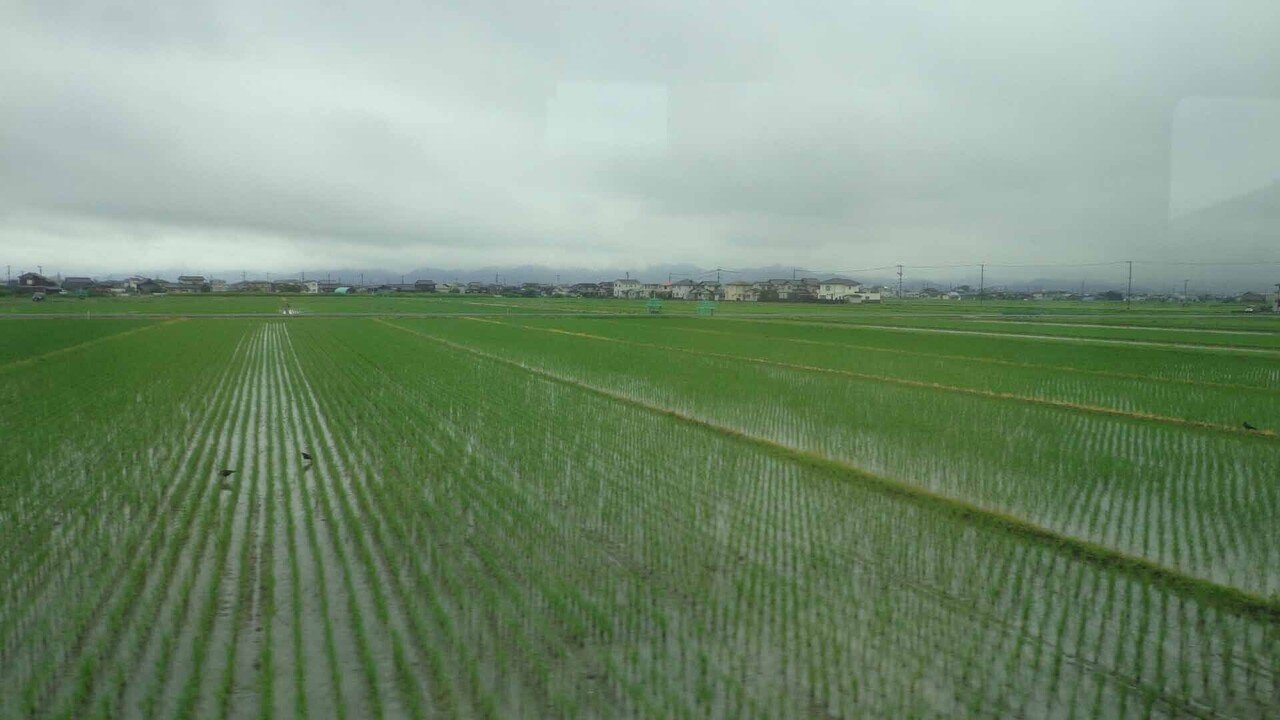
(288, 135)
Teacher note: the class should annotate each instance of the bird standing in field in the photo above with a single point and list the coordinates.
(306, 455)
(225, 473)
(1247, 426)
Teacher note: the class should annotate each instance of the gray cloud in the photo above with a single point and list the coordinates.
(826, 134)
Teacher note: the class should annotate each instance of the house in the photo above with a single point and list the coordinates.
(252, 286)
(287, 285)
(77, 283)
(107, 287)
(131, 283)
(30, 282)
(740, 290)
(216, 285)
(583, 290)
(605, 289)
(1251, 298)
(680, 289)
(838, 289)
(534, 289)
(311, 287)
(802, 290)
(191, 284)
(706, 290)
(628, 288)
(424, 286)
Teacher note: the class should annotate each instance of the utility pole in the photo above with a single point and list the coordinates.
(982, 279)
(793, 274)
(899, 282)
(40, 270)
(1184, 291)
(1129, 293)
(361, 279)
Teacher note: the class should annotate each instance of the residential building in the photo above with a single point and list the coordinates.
(740, 290)
(30, 282)
(838, 289)
(583, 290)
(628, 288)
(191, 284)
(706, 290)
(680, 289)
(252, 286)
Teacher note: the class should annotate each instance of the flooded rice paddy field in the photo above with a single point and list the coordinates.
(581, 513)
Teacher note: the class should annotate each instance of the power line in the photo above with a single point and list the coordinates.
(1205, 263)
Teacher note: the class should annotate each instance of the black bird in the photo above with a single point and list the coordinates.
(306, 455)
(1247, 426)
(224, 473)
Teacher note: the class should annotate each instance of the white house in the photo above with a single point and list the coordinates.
(740, 290)
(680, 289)
(839, 289)
(628, 288)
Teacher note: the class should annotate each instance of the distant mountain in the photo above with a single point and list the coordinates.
(1246, 226)
(1243, 229)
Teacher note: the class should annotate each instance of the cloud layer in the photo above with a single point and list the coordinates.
(823, 134)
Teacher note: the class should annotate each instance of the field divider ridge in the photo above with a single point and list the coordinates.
(1226, 596)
